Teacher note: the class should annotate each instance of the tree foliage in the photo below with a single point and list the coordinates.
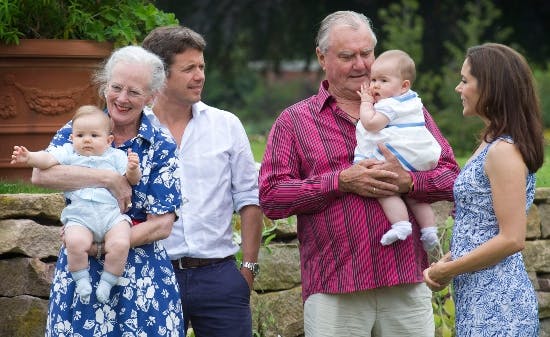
(121, 22)
(403, 28)
(435, 33)
(475, 20)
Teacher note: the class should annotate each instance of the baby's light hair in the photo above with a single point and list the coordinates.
(92, 110)
(407, 68)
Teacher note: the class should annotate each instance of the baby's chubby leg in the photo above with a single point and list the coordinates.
(117, 244)
(78, 240)
(425, 217)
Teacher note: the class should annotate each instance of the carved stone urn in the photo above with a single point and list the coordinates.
(42, 82)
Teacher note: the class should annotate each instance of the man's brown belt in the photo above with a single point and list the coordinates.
(194, 262)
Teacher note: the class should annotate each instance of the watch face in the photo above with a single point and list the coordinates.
(254, 267)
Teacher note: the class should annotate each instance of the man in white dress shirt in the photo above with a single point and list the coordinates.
(218, 178)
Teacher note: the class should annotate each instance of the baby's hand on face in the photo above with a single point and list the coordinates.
(20, 155)
(365, 94)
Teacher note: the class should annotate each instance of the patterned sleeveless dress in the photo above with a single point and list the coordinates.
(499, 300)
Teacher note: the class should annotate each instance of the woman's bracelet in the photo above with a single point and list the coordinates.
(99, 250)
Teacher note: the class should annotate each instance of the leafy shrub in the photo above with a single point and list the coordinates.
(542, 77)
(120, 21)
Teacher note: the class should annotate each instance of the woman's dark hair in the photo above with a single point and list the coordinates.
(508, 99)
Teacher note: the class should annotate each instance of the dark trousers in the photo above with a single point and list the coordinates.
(216, 299)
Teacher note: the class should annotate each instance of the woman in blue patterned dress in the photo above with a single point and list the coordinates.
(146, 300)
(494, 190)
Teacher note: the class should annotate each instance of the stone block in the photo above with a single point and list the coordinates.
(278, 313)
(28, 238)
(25, 276)
(544, 328)
(23, 316)
(544, 211)
(544, 304)
(32, 206)
(533, 223)
(280, 267)
(534, 280)
(536, 256)
(542, 194)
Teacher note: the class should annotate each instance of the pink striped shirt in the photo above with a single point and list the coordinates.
(309, 145)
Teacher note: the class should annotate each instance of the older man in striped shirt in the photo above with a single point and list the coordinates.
(351, 284)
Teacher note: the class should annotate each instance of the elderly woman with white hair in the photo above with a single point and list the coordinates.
(146, 300)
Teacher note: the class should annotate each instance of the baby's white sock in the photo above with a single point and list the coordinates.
(429, 238)
(400, 231)
(83, 284)
(106, 282)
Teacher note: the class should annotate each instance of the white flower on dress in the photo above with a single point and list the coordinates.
(172, 323)
(63, 329)
(61, 283)
(105, 318)
(145, 292)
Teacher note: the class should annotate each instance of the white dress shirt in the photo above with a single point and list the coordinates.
(218, 178)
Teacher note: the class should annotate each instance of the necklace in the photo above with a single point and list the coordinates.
(353, 118)
(343, 107)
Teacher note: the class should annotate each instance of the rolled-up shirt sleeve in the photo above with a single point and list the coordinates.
(244, 184)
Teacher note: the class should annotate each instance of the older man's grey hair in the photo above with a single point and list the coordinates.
(348, 18)
(133, 55)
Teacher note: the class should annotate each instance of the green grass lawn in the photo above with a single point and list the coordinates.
(13, 187)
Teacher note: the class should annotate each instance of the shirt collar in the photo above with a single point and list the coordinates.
(198, 108)
(324, 98)
(145, 130)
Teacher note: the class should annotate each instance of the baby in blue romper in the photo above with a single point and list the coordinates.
(93, 214)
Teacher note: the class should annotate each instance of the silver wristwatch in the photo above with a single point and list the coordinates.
(252, 266)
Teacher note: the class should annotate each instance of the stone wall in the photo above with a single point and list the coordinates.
(30, 241)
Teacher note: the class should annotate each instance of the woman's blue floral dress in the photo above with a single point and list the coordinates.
(146, 300)
(496, 301)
